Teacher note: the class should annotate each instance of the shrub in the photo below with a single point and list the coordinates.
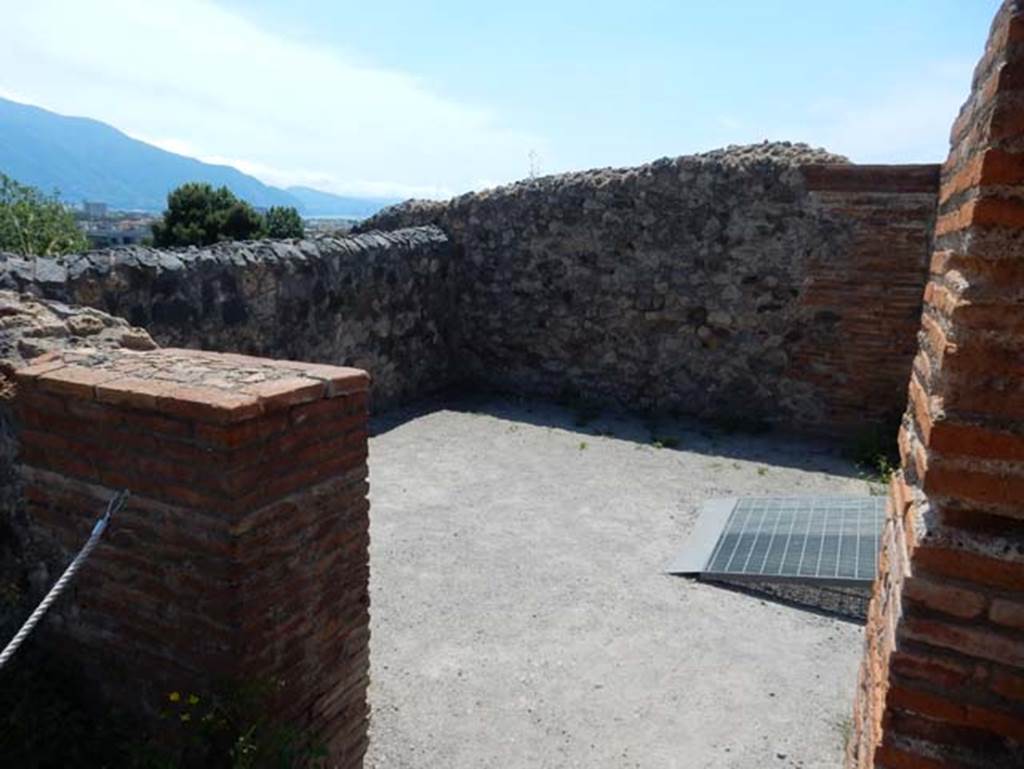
(283, 222)
(34, 224)
(199, 215)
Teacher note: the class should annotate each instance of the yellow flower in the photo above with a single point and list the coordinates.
(174, 696)
(193, 699)
(186, 717)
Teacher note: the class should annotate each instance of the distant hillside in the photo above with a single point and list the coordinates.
(88, 160)
(316, 203)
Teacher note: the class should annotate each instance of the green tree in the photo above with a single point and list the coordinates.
(34, 224)
(198, 215)
(284, 222)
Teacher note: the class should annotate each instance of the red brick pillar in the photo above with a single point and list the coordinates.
(942, 684)
(242, 552)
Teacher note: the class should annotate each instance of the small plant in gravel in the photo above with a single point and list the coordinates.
(583, 445)
(878, 472)
(884, 467)
(874, 451)
(879, 475)
(665, 442)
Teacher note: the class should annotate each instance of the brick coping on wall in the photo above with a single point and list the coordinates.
(878, 179)
(219, 388)
(200, 423)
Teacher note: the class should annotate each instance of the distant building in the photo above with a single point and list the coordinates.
(94, 209)
(118, 230)
(325, 226)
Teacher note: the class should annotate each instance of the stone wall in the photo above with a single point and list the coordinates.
(942, 683)
(771, 282)
(30, 327)
(382, 302)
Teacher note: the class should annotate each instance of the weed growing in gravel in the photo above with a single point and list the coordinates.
(875, 452)
(884, 468)
(665, 442)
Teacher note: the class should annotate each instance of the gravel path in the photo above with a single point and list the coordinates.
(521, 617)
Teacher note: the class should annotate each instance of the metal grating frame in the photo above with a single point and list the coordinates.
(822, 540)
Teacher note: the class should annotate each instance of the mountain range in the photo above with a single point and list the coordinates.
(84, 159)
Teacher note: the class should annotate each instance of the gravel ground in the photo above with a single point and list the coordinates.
(521, 616)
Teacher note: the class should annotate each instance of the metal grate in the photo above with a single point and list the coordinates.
(807, 539)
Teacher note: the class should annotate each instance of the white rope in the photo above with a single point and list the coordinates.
(116, 502)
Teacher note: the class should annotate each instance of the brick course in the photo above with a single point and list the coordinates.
(941, 683)
(874, 292)
(242, 552)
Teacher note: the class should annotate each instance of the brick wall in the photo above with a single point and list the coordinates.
(242, 552)
(942, 684)
(861, 309)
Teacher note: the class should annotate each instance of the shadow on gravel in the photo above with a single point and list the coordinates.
(682, 435)
(664, 432)
(846, 604)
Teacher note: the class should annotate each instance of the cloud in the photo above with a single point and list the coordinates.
(319, 179)
(198, 79)
(906, 121)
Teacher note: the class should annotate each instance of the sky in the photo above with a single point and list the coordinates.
(403, 98)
